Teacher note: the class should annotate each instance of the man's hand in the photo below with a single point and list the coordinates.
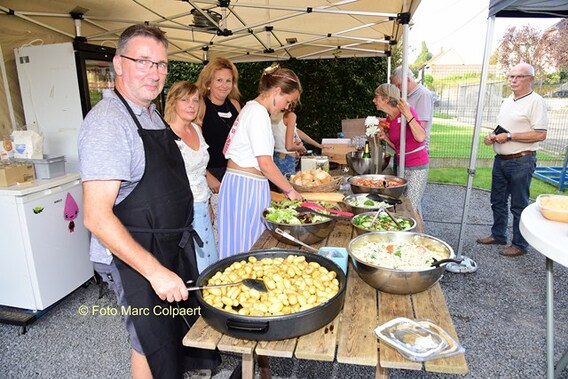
(167, 285)
(489, 139)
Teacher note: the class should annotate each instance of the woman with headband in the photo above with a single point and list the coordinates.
(245, 190)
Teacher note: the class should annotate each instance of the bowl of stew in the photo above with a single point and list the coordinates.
(388, 185)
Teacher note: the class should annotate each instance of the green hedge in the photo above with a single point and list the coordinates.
(334, 89)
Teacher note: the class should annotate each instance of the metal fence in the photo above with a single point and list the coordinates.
(455, 94)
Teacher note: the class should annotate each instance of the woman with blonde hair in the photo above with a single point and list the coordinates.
(387, 99)
(183, 107)
(245, 190)
(218, 84)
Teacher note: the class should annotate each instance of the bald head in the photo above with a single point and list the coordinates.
(521, 78)
(525, 68)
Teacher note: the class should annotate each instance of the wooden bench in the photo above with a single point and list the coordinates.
(352, 330)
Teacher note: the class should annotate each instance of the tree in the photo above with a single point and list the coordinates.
(422, 58)
(554, 39)
(541, 50)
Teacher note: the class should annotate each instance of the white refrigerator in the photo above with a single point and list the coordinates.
(45, 246)
(59, 84)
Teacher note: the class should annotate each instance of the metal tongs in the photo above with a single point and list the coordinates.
(389, 214)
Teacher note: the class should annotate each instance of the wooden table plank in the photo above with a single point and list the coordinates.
(357, 342)
(341, 234)
(390, 307)
(282, 348)
(352, 331)
(319, 345)
(201, 335)
(431, 305)
(235, 345)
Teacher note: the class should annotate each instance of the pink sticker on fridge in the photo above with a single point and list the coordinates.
(70, 211)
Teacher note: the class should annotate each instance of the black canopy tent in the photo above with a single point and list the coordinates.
(497, 8)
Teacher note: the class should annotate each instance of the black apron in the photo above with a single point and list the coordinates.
(158, 213)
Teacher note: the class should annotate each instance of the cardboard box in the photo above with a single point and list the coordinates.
(336, 148)
(14, 173)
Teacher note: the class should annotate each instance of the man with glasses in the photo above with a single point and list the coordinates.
(522, 123)
(419, 98)
(139, 208)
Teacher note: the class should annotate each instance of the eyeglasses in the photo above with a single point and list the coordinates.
(145, 65)
(511, 77)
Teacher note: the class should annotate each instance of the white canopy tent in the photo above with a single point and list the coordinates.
(240, 30)
(497, 8)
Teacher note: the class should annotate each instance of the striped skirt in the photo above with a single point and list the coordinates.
(242, 198)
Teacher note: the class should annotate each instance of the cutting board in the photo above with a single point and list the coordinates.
(332, 197)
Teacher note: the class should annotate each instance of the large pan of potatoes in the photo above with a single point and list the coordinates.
(305, 292)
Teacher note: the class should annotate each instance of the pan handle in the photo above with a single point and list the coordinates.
(254, 327)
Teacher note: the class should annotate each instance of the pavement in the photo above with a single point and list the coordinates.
(498, 312)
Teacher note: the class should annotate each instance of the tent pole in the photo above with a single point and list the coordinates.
(467, 264)
(404, 84)
(7, 91)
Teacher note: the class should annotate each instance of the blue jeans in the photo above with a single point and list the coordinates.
(510, 178)
(285, 162)
(208, 254)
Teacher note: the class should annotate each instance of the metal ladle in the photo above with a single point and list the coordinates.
(255, 284)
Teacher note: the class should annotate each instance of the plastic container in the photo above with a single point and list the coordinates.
(411, 339)
(337, 254)
(553, 207)
(49, 167)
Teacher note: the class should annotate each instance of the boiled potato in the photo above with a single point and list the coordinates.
(294, 285)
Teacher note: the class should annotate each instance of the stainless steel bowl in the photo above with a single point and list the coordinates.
(361, 230)
(307, 233)
(357, 210)
(393, 191)
(363, 166)
(394, 280)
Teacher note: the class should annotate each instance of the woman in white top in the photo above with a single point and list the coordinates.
(288, 140)
(182, 107)
(245, 191)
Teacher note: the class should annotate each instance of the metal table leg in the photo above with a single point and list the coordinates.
(549, 320)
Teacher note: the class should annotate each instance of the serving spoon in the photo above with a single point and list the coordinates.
(437, 263)
(294, 239)
(387, 199)
(255, 284)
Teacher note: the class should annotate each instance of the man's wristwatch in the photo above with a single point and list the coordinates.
(509, 136)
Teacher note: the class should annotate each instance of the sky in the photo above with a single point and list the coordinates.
(461, 25)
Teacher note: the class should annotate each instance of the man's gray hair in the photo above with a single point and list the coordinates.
(527, 67)
(397, 73)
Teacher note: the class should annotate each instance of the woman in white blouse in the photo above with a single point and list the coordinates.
(183, 105)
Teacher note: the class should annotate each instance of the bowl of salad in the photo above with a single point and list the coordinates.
(360, 203)
(363, 223)
(307, 227)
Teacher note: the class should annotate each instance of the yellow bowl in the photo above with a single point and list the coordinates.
(553, 207)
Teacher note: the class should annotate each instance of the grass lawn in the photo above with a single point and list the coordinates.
(482, 179)
(449, 139)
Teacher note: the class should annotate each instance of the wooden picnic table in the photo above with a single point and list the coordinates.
(352, 330)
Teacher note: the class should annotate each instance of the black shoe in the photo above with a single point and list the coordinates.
(491, 241)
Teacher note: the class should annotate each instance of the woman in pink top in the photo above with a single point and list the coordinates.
(387, 99)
